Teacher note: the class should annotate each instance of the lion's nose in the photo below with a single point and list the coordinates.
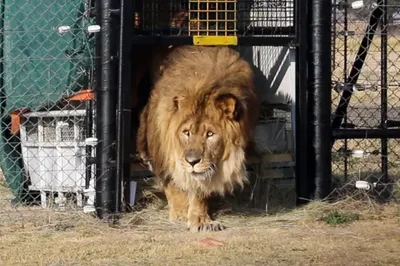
(192, 157)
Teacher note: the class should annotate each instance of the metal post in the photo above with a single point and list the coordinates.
(124, 105)
(345, 37)
(89, 128)
(320, 85)
(106, 92)
(371, 133)
(384, 87)
(303, 182)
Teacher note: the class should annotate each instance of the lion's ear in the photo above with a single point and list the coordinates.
(230, 106)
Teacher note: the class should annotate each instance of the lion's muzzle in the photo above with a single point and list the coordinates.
(200, 168)
(193, 157)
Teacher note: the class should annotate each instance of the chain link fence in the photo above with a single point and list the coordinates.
(365, 77)
(46, 102)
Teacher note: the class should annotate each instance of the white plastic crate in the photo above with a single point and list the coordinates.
(53, 151)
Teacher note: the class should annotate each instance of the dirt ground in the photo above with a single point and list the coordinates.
(146, 237)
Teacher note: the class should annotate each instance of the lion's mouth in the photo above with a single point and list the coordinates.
(203, 175)
(198, 173)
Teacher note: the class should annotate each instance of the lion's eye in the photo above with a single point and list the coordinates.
(186, 132)
(210, 134)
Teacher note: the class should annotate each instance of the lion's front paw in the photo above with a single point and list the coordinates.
(177, 215)
(205, 226)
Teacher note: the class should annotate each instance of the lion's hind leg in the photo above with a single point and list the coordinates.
(178, 202)
(198, 217)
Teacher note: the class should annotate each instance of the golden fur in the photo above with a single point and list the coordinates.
(196, 126)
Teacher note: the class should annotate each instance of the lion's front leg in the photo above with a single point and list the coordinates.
(198, 218)
(178, 202)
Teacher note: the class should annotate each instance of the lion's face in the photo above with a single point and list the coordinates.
(202, 147)
(205, 133)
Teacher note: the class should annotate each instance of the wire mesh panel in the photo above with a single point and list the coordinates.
(365, 81)
(215, 18)
(212, 17)
(46, 63)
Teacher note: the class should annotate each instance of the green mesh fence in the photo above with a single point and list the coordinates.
(42, 62)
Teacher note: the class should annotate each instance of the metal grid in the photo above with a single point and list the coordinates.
(214, 18)
(365, 74)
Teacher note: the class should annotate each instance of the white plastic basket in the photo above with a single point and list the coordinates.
(53, 151)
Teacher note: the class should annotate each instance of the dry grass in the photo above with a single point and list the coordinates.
(146, 237)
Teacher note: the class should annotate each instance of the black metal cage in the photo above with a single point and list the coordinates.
(129, 27)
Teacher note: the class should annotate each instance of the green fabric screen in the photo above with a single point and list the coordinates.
(39, 65)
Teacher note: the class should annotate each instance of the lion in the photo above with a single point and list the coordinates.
(195, 128)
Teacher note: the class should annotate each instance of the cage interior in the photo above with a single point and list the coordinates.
(214, 17)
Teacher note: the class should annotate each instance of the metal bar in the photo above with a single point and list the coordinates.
(124, 105)
(188, 40)
(310, 128)
(105, 109)
(341, 109)
(120, 115)
(266, 41)
(304, 186)
(345, 158)
(392, 123)
(365, 133)
(88, 150)
(320, 81)
(250, 31)
(384, 87)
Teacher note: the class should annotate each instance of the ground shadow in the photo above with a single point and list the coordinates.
(277, 196)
